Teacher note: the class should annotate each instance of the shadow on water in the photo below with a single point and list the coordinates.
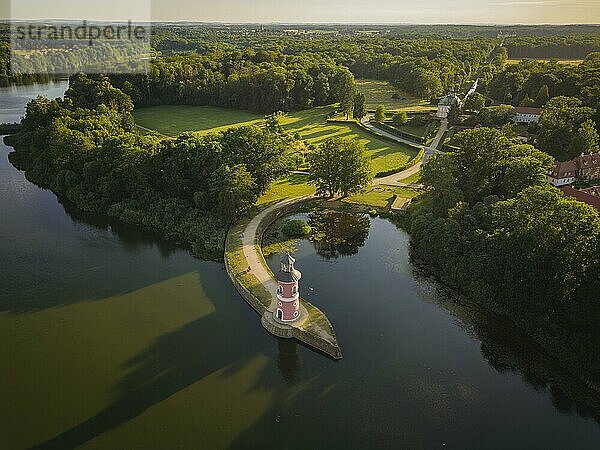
(131, 235)
(288, 360)
(172, 363)
(510, 350)
(100, 258)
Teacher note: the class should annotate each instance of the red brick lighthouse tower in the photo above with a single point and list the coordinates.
(288, 298)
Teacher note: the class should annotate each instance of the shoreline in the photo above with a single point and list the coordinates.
(244, 249)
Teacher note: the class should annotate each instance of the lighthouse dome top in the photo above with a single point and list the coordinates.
(288, 273)
(288, 259)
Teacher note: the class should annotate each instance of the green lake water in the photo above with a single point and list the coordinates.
(113, 339)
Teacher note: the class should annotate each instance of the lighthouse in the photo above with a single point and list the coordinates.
(288, 298)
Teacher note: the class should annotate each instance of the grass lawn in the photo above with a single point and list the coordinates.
(417, 131)
(413, 179)
(293, 186)
(313, 127)
(311, 124)
(381, 92)
(237, 262)
(377, 196)
(172, 120)
(382, 196)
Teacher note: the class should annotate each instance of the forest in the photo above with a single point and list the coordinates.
(87, 150)
(490, 227)
(256, 80)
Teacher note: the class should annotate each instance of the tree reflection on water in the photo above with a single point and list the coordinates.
(336, 234)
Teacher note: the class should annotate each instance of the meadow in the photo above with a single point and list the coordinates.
(571, 62)
(295, 185)
(382, 93)
(172, 120)
(311, 125)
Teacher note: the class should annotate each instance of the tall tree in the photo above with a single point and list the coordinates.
(586, 140)
(321, 88)
(543, 96)
(475, 102)
(400, 118)
(360, 106)
(235, 189)
(561, 119)
(380, 114)
(339, 165)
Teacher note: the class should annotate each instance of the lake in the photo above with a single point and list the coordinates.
(113, 338)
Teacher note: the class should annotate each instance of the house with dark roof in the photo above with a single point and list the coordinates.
(562, 174)
(589, 166)
(584, 167)
(594, 190)
(445, 105)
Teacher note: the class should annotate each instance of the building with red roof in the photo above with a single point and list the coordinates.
(582, 196)
(583, 167)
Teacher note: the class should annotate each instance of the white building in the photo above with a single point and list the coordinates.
(527, 115)
(445, 105)
(562, 174)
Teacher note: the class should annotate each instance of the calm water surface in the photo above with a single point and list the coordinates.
(114, 339)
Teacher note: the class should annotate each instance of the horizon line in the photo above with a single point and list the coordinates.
(391, 24)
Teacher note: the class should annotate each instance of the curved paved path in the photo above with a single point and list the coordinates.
(396, 178)
(251, 247)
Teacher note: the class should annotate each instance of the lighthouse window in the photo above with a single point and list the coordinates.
(295, 303)
(295, 313)
(280, 290)
(280, 304)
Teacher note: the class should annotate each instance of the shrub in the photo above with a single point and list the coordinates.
(296, 228)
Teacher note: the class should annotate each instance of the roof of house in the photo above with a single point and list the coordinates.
(563, 170)
(589, 160)
(567, 169)
(594, 190)
(528, 110)
(582, 196)
(448, 100)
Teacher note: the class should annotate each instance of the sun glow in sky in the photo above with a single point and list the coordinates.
(313, 11)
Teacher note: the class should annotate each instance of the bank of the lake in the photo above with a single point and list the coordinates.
(116, 339)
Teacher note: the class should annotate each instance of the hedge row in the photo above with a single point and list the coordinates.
(402, 134)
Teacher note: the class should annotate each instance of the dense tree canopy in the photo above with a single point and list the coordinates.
(492, 228)
(566, 128)
(87, 150)
(540, 81)
(339, 165)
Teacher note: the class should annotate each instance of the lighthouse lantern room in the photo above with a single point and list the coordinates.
(288, 298)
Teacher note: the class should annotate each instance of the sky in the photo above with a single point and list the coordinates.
(313, 11)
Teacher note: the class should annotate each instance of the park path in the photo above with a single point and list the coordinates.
(250, 236)
(396, 179)
(252, 251)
